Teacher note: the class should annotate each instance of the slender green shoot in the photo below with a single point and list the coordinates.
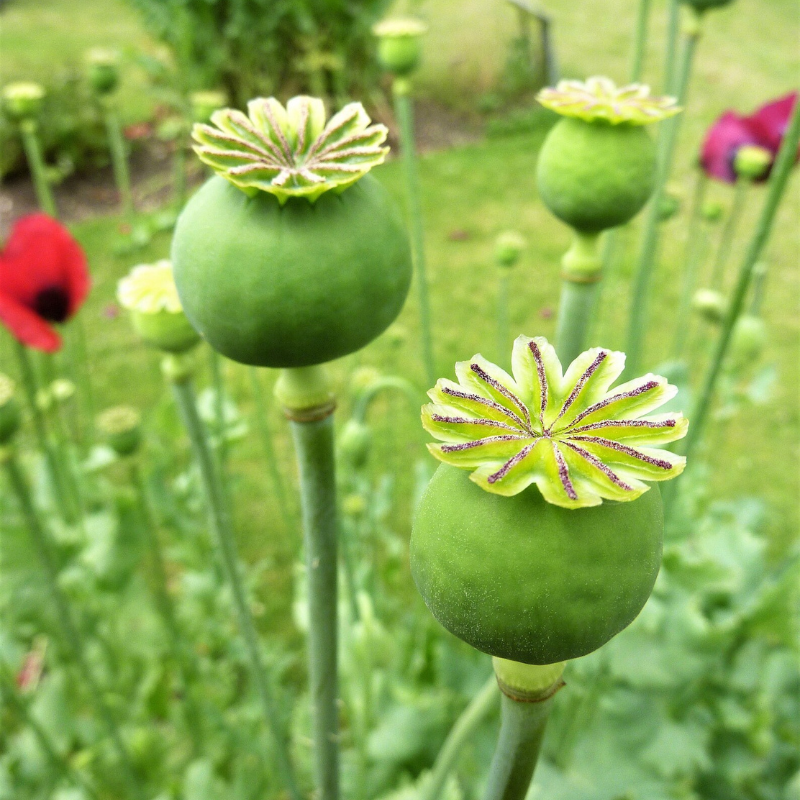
(119, 158)
(640, 41)
(729, 232)
(33, 153)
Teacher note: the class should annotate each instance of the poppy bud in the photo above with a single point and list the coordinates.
(508, 248)
(710, 304)
(103, 70)
(399, 44)
(122, 428)
(355, 442)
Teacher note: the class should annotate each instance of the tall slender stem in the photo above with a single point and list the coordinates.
(503, 334)
(180, 651)
(31, 388)
(671, 52)
(691, 260)
(218, 382)
(45, 742)
(776, 188)
(640, 41)
(405, 117)
(582, 265)
(648, 252)
(729, 232)
(33, 153)
(464, 727)
(220, 524)
(309, 405)
(262, 420)
(119, 159)
(67, 626)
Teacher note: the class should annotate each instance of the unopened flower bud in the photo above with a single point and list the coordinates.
(355, 441)
(122, 428)
(710, 304)
(508, 248)
(713, 211)
(749, 338)
(103, 70)
(23, 100)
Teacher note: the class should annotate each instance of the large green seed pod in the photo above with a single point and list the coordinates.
(400, 44)
(291, 285)
(300, 257)
(523, 579)
(595, 175)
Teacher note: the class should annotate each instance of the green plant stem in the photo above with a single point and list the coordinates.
(313, 440)
(521, 734)
(119, 160)
(405, 118)
(180, 649)
(671, 53)
(775, 191)
(220, 524)
(640, 41)
(218, 382)
(729, 232)
(464, 727)
(31, 389)
(61, 764)
(582, 270)
(262, 420)
(33, 153)
(67, 626)
(84, 373)
(691, 260)
(503, 334)
(648, 252)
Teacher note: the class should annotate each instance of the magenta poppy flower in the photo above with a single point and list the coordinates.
(722, 142)
(43, 280)
(770, 121)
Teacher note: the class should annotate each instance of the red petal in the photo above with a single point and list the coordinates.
(771, 120)
(27, 327)
(724, 138)
(41, 254)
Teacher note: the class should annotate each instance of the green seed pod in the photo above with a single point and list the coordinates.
(23, 100)
(148, 292)
(713, 211)
(710, 305)
(400, 44)
(752, 162)
(291, 266)
(706, 5)
(122, 428)
(597, 167)
(749, 339)
(355, 442)
(520, 578)
(103, 70)
(548, 572)
(508, 248)
(10, 414)
(670, 205)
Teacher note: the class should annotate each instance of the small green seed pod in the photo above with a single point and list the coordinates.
(508, 248)
(10, 413)
(710, 305)
(749, 339)
(149, 294)
(291, 266)
(713, 211)
(597, 167)
(552, 545)
(122, 428)
(23, 100)
(752, 162)
(355, 443)
(102, 70)
(400, 45)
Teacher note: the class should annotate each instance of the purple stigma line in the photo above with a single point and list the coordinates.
(542, 374)
(512, 462)
(476, 398)
(491, 423)
(621, 448)
(455, 448)
(598, 464)
(645, 387)
(625, 423)
(563, 473)
(591, 369)
(498, 387)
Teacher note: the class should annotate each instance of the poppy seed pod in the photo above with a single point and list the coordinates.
(710, 305)
(553, 543)
(10, 414)
(122, 428)
(400, 44)
(103, 70)
(355, 442)
(752, 162)
(148, 292)
(597, 167)
(23, 100)
(508, 248)
(706, 5)
(749, 339)
(293, 255)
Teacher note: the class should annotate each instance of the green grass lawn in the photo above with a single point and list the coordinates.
(748, 56)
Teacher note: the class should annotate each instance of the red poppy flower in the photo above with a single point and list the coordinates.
(723, 140)
(770, 121)
(43, 280)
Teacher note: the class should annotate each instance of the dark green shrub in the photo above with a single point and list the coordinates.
(260, 47)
